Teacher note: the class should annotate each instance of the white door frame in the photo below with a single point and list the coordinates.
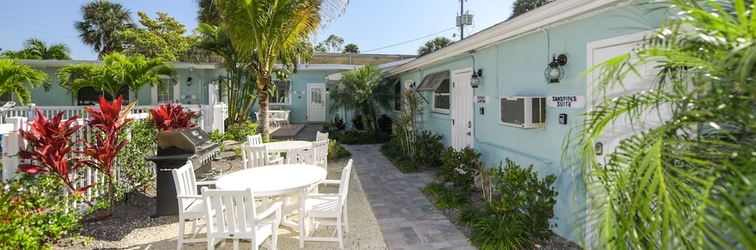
(154, 93)
(591, 47)
(461, 97)
(325, 100)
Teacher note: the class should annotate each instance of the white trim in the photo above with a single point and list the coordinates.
(154, 92)
(609, 42)
(549, 15)
(288, 97)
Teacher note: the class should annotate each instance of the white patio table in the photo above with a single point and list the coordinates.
(275, 180)
(286, 146)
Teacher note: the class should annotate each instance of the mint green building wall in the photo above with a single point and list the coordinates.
(298, 105)
(516, 67)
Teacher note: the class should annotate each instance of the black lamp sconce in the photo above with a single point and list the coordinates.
(475, 79)
(189, 81)
(554, 72)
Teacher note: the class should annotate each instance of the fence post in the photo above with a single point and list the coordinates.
(12, 143)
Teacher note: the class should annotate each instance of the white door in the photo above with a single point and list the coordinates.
(614, 133)
(316, 102)
(462, 109)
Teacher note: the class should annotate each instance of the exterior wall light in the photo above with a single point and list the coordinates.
(475, 79)
(189, 81)
(554, 72)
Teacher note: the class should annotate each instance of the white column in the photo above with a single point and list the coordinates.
(12, 142)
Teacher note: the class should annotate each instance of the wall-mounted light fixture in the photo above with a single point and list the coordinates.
(554, 72)
(475, 79)
(189, 81)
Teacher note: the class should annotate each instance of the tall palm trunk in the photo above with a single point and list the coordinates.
(263, 127)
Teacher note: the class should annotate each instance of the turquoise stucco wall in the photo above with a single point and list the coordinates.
(516, 67)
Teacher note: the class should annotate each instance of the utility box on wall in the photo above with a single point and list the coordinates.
(523, 111)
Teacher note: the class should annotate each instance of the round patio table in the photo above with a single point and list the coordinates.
(286, 146)
(273, 180)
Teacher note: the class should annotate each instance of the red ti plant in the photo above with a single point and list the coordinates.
(49, 143)
(109, 121)
(168, 116)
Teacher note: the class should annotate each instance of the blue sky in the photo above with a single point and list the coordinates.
(373, 25)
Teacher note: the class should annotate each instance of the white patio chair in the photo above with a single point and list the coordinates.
(258, 156)
(190, 206)
(301, 156)
(321, 153)
(231, 214)
(334, 206)
(255, 139)
(319, 136)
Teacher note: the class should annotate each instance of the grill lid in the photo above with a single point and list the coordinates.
(186, 139)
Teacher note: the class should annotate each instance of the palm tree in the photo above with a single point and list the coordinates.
(688, 182)
(274, 30)
(520, 7)
(14, 76)
(351, 49)
(239, 84)
(208, 13)
(364, 90)
(433, 45)
(102, 24)
(37, 49)
(117, 71)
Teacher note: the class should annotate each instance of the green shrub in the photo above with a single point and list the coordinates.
(499, 232)
(402, 162)
(451, 198)
(434, 188)
(240, 131)
(217, 137)
(142, 136)
(523, 195)
(29, 218)
(362, 137)
(428, 149)
(458, 167)
(336, 151)
(470, 215)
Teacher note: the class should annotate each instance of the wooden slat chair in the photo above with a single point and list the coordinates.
(321, 153)
(190, 206)
(258, 156)
(231, 214)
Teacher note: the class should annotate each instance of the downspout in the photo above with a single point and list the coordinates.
(494, 145)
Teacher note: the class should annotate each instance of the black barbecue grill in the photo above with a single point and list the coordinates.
(175, 148)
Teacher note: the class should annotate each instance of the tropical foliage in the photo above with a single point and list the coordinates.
(685, 183)
(168, 116)
(162, 37)
(13, 77)
(433, 45)
(275, 32)
(365, 91)
(351, 49)
(116, 71)
(208, 13)
(38, 49)
(102, 24)
(332, 44)
(520, 7)
(239, 84)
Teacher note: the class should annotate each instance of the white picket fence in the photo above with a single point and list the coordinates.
(16, 118)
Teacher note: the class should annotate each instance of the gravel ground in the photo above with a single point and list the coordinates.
(131, 227)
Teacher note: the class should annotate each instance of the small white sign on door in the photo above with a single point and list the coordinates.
(565, 101)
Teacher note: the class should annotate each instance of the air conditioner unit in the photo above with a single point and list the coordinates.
(523, 111)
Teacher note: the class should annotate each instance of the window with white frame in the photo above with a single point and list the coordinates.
(166, 93)
(439, 84)
(282, 93)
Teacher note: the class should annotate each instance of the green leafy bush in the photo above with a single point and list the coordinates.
(458, 167)
(470, 215)
(29, 219)
(429, 148)
(524, 196)
(217, 137)
(451, 198)
(240, 131)
(402, 162)
(336, 151)
(499, 232)
(434, 188)
(362, 137)
(137, 171)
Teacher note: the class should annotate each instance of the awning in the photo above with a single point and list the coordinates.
(431, 81)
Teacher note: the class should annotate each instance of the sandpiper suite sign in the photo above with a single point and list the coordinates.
(565, 101)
